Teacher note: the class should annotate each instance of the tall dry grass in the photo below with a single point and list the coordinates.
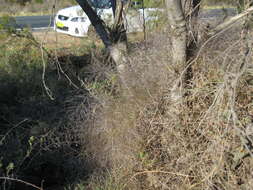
(133, 139)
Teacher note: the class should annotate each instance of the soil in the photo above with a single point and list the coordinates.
(56, 40)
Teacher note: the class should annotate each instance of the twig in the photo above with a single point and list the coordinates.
(209, 175)
(21, 181)
(158, 171)
(48, 91)
(15, 126)
(231, 21)
(191, 62)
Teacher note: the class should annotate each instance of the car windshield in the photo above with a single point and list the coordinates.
(61, 17)
(75, 19)
(83, 19)
(78, 19)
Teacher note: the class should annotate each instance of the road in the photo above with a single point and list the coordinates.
(42, 22)
(34, 22)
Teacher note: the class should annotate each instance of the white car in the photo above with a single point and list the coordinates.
(75, 22)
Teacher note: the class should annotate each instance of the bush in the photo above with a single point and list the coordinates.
(111, 136)
(37, 141)
(145, 143)
(31, 7)
(21, 2)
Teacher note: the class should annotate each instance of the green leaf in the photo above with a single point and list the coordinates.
(10, 166)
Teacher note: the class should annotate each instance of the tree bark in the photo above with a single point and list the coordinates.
(116, 47)
(119, 37)
(118, 32)
(98, 24)
(193, 27)
(178, 31)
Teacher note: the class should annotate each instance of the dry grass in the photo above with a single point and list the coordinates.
(131, 137)
(137, 138)
(33, 8)
(52, 39)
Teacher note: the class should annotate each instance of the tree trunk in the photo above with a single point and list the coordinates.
(184, 47)
(119, 38)
(178, 31)
(193, 28)
(98, 24)
(116, 46)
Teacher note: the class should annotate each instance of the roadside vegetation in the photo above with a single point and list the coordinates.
(68, 123)
(44, 7)
(37, 140)
(32, 7)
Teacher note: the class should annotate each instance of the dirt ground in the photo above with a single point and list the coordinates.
(55, 40)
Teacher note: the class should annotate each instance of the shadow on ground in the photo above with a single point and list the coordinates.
(39, 143)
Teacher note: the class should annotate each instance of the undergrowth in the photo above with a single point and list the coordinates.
(138, 141)
(101, 135)
(38, 144)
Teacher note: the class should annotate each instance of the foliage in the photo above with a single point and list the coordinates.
(7, 23)
(32, 7)
(103, 137)
(144, 144)
(153, 4)
(32, 145)
(146, 3)
(21, 2)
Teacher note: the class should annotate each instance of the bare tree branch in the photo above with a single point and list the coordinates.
(230, 21)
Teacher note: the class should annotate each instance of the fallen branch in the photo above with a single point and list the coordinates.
(21, 181)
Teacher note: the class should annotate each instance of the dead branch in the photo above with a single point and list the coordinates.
(230, 21)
